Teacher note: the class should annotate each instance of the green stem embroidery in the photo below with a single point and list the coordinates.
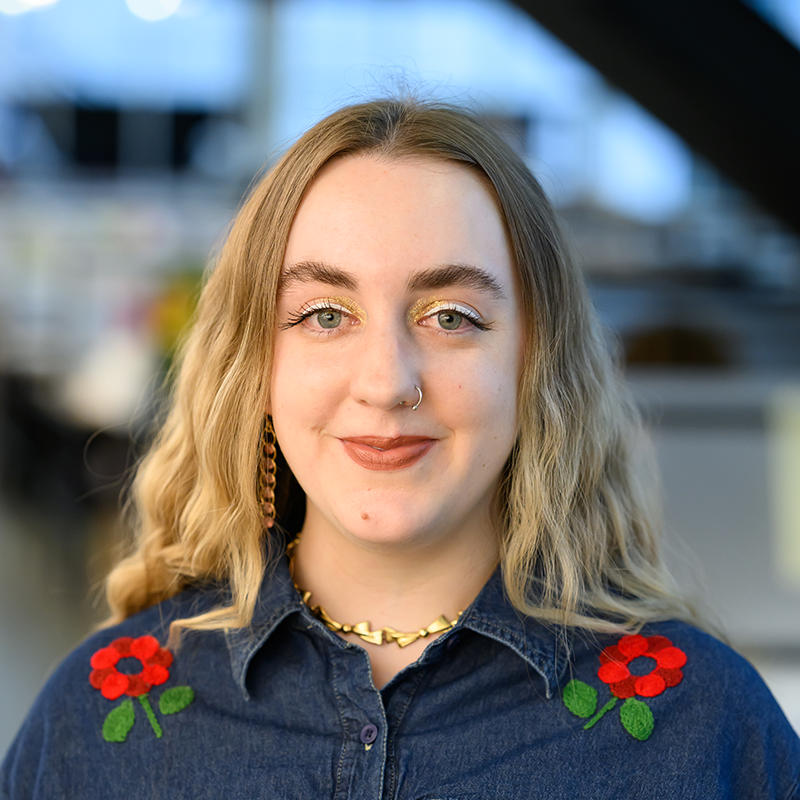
(604, 710)
(150, 715)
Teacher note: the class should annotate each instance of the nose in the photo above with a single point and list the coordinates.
(387, 369)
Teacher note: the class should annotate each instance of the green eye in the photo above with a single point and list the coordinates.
(450, 320)
(329, 318)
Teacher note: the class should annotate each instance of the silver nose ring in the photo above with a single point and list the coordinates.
(419, 399)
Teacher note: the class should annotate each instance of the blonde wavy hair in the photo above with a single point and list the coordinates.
(579, 536)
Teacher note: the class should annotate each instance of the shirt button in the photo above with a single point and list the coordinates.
(452, 641)
(368, 734)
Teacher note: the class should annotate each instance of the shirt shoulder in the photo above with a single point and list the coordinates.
(677, 691)
(117, 684)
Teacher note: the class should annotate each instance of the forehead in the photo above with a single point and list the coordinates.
(362, 212)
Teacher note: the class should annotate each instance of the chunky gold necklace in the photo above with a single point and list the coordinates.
(362, 629)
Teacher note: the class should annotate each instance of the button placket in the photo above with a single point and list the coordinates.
(369, 733)
(363, 758)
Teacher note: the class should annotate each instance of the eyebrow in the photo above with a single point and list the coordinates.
(466, 275)
(310, 271)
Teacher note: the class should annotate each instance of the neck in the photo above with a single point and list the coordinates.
(403, 586)
(400, 586)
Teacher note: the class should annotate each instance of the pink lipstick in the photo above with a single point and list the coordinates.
(380, 453)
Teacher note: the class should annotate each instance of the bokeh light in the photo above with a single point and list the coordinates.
(153, 10)
(14, 7)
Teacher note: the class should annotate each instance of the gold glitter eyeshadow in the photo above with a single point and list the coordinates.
(346, 303)
(422, 307)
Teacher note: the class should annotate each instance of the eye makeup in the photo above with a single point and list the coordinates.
(428, 307)
(422, 308)
(343, 304)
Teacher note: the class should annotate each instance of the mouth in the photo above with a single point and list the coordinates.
(380, 453)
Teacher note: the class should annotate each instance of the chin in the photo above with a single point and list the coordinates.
(388, 524)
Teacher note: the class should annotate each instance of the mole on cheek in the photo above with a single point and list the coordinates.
(364, 515)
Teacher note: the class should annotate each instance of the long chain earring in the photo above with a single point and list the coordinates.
(266, 473)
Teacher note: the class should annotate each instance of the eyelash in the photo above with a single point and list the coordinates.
(471, 316)
(309, 309)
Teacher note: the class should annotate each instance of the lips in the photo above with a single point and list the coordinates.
(380, 453)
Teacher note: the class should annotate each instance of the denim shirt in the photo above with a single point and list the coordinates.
(499, 706)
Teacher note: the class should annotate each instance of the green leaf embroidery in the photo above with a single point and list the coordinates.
(118, 722)
(176, 699)
(148, 709)
(599, 715)
(637, 718)
(580, 698)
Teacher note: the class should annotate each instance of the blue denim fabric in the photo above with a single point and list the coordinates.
(286, 709)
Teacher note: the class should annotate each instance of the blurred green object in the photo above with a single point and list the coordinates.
(174, 309)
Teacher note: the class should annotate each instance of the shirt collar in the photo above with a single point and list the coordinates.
(277, 600)
(545, 648)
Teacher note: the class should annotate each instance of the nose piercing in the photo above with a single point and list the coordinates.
(419, 399)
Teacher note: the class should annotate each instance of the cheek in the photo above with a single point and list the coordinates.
(482, 398)
(499, 390)
(303, 381)
(289, 400)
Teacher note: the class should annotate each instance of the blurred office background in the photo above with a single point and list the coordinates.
(666, 134)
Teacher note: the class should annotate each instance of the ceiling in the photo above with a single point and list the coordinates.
(713, 71)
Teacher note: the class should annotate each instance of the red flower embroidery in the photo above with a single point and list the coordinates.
(614, 662)
(112, 683)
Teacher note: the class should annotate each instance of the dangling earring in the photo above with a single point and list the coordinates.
(266, 473)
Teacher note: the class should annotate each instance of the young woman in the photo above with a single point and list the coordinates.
(394, 537)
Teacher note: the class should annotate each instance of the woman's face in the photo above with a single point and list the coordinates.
(397, 274)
